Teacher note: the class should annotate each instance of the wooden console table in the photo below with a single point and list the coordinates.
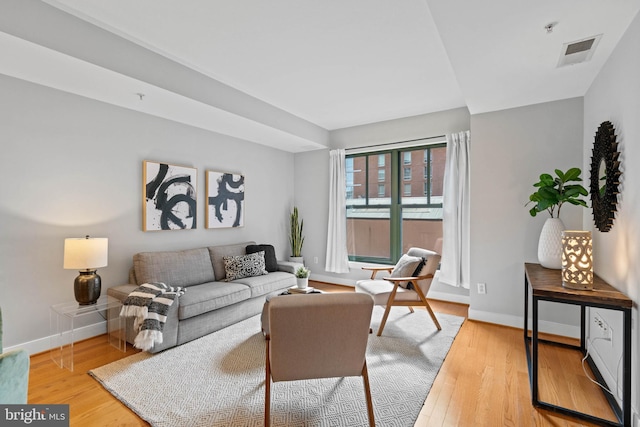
(546, 285)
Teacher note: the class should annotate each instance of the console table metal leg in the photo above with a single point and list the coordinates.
(534, 352)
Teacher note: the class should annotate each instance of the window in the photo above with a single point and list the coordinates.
(407, 174)
(386, 211)
(406, 157)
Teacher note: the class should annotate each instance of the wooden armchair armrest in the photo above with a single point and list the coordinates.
(407, 279)
(375, 270)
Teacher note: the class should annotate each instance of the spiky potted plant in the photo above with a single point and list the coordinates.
(550, 195)
(296, 238)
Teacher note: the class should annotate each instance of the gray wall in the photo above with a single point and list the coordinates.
(613, 96)
(509, 151)
(72, 166)
(312, 185)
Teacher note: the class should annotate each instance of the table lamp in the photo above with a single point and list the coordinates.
(86, 255)
(577, 260)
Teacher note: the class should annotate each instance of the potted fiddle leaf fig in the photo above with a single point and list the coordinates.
(296, 238)
(551, 194)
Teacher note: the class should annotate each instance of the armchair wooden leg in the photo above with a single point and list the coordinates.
(267, 390)
(384, 319)
(390, 301)
(425, 302)
(411, 309)
(367, 390)
(433, 316)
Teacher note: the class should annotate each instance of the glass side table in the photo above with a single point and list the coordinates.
(66, 318)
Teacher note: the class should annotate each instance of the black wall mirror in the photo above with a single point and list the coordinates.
(605, 176)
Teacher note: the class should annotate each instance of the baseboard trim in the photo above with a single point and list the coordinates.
(44, 344)
(518, 322)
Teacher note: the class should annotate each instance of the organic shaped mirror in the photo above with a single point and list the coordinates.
(605, 176)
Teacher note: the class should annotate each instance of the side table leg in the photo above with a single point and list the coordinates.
(534, 352)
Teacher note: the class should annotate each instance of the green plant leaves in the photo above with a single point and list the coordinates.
(553, 192)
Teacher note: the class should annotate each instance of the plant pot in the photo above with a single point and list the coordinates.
(302, 282)
(298, 259)
(550, 244)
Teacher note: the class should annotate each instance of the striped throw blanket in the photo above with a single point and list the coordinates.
(148, 304)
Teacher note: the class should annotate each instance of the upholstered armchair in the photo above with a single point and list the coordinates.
(14, 374)
(407, 283)
(317, 336)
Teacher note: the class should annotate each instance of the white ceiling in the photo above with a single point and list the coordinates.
(341, 63)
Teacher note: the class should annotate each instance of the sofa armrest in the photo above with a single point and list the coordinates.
(14, 377)
(288, 266)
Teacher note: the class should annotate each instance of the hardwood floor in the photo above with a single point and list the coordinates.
(483, 381)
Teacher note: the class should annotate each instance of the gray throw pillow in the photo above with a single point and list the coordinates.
(241, 266)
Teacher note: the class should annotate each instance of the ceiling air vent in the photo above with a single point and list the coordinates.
(578, 51)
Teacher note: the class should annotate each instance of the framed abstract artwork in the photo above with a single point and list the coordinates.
(225, 200)
(169, 197)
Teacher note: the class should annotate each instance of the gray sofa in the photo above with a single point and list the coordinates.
(210, 303)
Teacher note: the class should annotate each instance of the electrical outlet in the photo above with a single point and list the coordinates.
(602, 328)
(315, 259)
(482, 288)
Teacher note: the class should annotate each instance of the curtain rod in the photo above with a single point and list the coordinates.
(406, 143)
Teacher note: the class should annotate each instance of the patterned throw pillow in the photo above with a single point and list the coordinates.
(407, 266)
(240, 266)
(270, 261)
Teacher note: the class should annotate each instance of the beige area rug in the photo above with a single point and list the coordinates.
(218, 380)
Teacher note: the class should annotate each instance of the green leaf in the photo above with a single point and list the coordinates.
(572, 174)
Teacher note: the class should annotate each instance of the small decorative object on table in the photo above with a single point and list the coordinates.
(302, 277)
(551, 194)
(296, 290)
(577, 260)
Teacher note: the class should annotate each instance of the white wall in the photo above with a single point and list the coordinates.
(71, 166)
(509, 151)
(312, 185)
(615, 96)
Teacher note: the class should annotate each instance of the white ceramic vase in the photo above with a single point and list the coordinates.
(550, 244)
(302, 282)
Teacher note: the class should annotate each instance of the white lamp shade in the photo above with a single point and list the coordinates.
(85, 253)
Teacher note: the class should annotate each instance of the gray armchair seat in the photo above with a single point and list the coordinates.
(14, 374)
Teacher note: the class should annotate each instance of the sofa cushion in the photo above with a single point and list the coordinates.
(239, 266)
(270, 261)
(272, 282)
(210, 296)
(217, 253)
(174, 268)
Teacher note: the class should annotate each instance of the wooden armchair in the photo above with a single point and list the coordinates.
(403, 287)
(317, 336)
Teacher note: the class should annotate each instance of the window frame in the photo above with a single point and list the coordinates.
(396, 205)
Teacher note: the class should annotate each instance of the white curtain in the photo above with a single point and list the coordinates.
(454, 269)
(337, 255)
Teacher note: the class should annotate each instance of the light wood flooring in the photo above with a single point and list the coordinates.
(483, 381)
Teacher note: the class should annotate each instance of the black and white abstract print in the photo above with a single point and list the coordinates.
(169, 197)
(225, 200)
